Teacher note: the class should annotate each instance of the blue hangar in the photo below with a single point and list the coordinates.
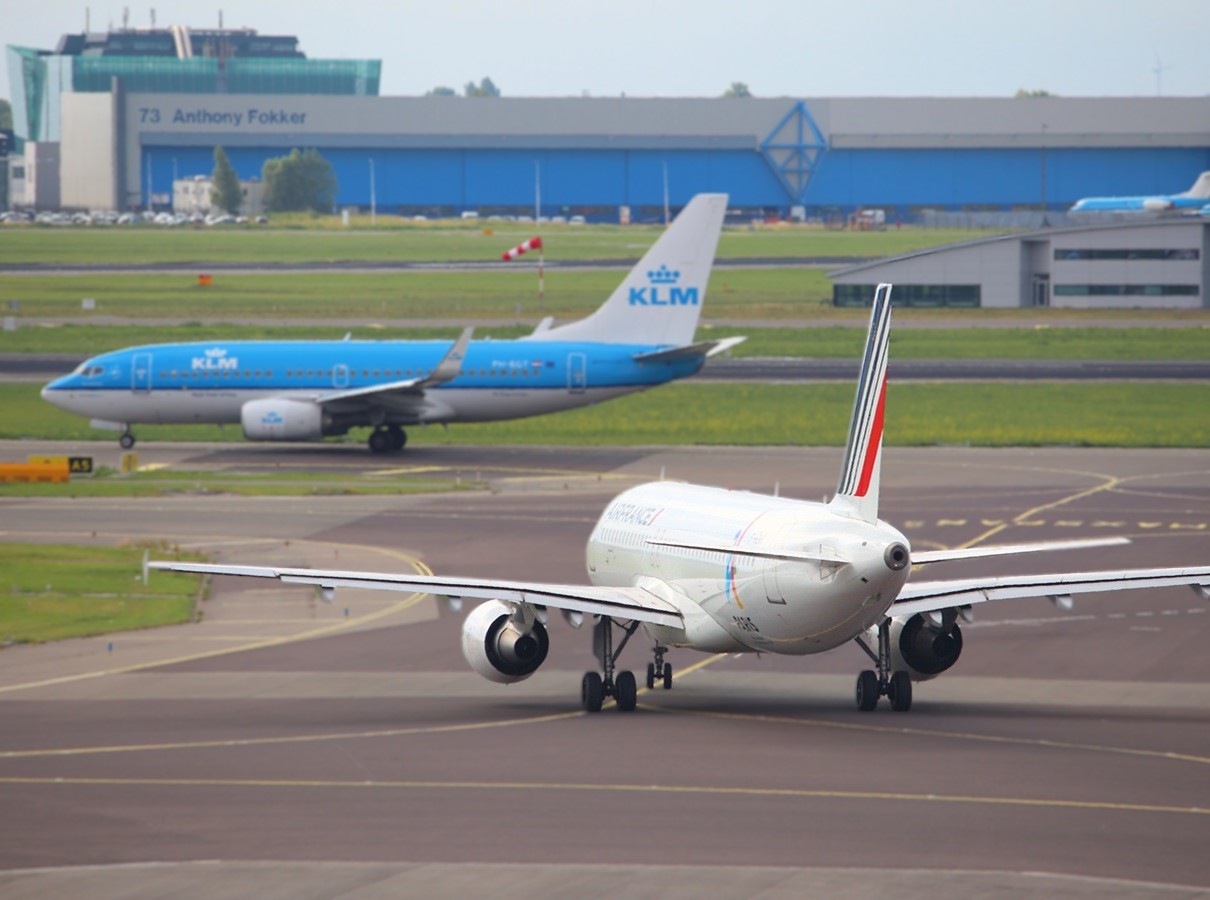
(117, 130)
(592, 156)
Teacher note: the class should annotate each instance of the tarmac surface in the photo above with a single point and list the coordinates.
(285, 747)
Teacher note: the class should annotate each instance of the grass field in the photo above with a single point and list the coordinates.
(54, 591)
(394, 240)
(824, 342)
(1084, 414)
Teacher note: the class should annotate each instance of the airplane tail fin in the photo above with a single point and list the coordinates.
(661, 299)
(857, 489)
(1201, 187)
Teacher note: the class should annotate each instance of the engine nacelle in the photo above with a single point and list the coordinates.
(925, 644)
(500, 645)
(282, 420)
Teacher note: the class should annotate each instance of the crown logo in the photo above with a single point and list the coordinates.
(216, 352)
(663, 275)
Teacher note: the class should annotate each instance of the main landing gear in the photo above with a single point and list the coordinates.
(126, 441)
(872, 685)
(621, 685)
(387, 439)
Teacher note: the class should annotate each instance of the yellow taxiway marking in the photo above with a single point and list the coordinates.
(701, 790)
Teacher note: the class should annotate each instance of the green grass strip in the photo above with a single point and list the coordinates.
(322, 240)
(1120, 414)
(54, 591)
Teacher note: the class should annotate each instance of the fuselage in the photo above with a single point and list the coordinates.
(732, 601)
(211, 382)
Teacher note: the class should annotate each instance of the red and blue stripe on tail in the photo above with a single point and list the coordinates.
(857, 490)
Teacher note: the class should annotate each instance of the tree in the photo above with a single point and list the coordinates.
(442, 92)
(225, 192)
(485, 88)
(6, 115)
(1022, 92)
(737, 89)
(302, 180)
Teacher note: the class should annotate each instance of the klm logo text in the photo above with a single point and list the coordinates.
(663, 290)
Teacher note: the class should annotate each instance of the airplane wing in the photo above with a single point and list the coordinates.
(701, 348)
(930, 596)
(634, 604)
(411, 389)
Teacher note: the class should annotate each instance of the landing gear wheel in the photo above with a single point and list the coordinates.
(126, 441)
(626, 692)
(592, 692)
(867, 690)
(900, 692)
(650, 676)
(667, 677)
(380, 441)
(398, 437)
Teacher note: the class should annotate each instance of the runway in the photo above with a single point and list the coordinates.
(286, 746)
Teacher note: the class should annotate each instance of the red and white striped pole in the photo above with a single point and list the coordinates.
(534, 243)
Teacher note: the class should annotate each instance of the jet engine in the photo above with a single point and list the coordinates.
(281, 420)
(925, 644)
(503, 644)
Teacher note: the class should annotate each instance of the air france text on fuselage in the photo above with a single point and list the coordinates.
(633, 514)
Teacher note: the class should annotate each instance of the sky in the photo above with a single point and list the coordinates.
(698, 48)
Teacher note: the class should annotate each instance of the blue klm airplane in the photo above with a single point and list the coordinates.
(642, 336)
(1195, 201)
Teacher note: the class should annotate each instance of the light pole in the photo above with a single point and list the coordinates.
(373, 199)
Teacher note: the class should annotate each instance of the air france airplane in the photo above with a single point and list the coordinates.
(724, 571)
(641, 337)
(1194, 201)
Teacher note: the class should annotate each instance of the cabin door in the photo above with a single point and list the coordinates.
(577, 373)
(140, 373)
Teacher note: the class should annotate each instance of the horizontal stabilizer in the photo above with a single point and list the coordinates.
(933, 556)
(701, 348)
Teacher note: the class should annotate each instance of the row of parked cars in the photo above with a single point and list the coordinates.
(114, 218)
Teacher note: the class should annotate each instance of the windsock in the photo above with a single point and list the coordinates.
(534, 243)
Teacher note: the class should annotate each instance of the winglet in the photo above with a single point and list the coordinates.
(451, 363)
(857, 489)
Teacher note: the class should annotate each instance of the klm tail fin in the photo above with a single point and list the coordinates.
(857, 490)
(661, 299)
(1201, 187)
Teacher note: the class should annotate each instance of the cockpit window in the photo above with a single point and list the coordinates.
(88, 371)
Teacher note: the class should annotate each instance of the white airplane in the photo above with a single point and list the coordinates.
(641, 337)
(723, 571)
